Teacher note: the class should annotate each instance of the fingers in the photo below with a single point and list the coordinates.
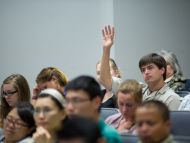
(41, 134)
(36, 90)
(108, 31)
(113, 32)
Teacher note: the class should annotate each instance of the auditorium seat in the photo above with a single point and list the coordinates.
(180, 123)
(106, 112)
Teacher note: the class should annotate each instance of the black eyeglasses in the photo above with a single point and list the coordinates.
(10, 93)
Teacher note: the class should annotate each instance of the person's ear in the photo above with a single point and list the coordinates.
(163, 70)
(97, 101)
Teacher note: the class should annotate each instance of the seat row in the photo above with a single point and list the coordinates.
(179, 119)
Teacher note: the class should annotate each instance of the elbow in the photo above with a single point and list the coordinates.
(107, 83)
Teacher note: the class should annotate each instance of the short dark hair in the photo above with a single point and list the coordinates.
(154, 58)
(160, 106)
(79, 128)
(25, 111)
(85, 83)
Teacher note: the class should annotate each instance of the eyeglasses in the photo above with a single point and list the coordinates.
(45, 111)
(75, 101)
(16, 122)
(10, 93)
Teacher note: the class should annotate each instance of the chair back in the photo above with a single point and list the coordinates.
(187, 85)
(129, 138)
(180, 123)
(182, 139)
(106, 112)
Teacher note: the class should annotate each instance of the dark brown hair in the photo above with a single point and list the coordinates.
(154, 58)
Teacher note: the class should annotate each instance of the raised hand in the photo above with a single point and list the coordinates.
(108, 36)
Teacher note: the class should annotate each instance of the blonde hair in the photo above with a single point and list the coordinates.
(46, 74)
(133, 87)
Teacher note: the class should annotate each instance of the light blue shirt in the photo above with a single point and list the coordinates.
(185, 104)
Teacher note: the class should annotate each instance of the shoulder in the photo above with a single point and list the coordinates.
(171, 97)
(169, 93)
(110, 134)
(27, 140)
(115, 84)
(116, 79)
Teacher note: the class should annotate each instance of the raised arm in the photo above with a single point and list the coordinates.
(105, 75)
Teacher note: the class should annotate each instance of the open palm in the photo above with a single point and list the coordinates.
(108, 36)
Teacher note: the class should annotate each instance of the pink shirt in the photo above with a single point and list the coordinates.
(114, 121)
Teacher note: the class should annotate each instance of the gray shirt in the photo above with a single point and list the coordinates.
(115, 84)
(165, 94)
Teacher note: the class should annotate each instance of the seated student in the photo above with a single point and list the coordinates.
(185, 104)
(79, 130)
(174, 74)
(129, 97)
(153, 69)
(153, 122)
(83, 98)
(14, 89)
(50, 77)
(108, 97)
(19, 124)
(49, 113)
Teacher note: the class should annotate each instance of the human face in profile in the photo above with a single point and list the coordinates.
(10, 94)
